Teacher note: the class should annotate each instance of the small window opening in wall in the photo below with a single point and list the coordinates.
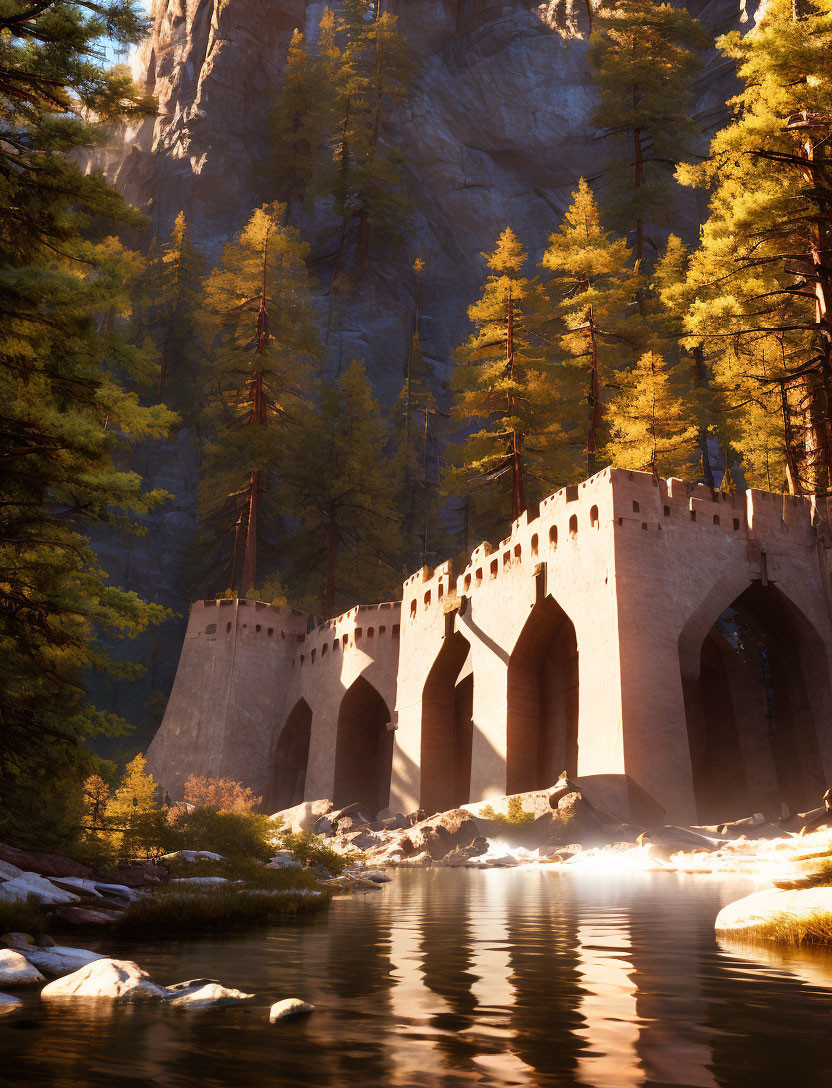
(573, 525)
(441, 591)
(381, 630)
(358, 633)
(736, 524)
(621, 521)
(258, 628)
(495, 566)
(506, 558)
(302, 659)
(371, 632)
(346, 639)
(636, 507)
(593, 517)
(395, 630)
(644, 525)
(312, 655)
(228, 627)
(270, 632)
(553, 537)
(517, 551)
(336, 645)
(716, 519)
(413, 607)
(467, 581)
(667, 511)
(325, 649)
(211, 629)
(693, 515)
(534, 544)
(245, 625)
(479, 575)
(427, 598)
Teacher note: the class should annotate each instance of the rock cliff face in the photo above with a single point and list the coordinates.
(495, 133)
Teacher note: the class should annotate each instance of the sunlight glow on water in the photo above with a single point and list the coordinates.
(492, 978)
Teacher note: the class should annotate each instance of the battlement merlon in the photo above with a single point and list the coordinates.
(225, 615)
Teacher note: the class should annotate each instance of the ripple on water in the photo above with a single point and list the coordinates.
(520, 977)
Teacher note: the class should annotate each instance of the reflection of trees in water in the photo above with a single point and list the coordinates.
(542, 940)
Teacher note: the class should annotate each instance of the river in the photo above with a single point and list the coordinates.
(448, 977)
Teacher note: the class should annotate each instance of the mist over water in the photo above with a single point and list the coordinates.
(518, 977)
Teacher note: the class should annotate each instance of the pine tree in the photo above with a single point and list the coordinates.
(261, 301)
(761, 282)
(373, 71)
(134, 819)
(341, 487)
(644, 64)
(502, 387)
(66, 416)
(651, 426)
(167, 303)
(593, 314)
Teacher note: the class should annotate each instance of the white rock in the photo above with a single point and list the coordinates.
(192, 855)
(120, 980)
(96, 888)
(290, 1006)
(19, 888)
(376, 875)
(15, 969)
(204, 993)
(9, 1003)
(200, 880)
(283, 860)
(7, 870)
(304, 816)
(760, 908)
(60, 959)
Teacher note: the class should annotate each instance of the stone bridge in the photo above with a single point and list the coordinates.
(667, 644)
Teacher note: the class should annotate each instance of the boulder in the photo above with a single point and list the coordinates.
(441, 833)
(561, 789)
(577, 821)
(303, 817)
(289, 1006)
(284, 859)
(135, 874)
(83, 916)
(363, 840)
(204, 992)
(9, 1003)
(206, 881)
(59, 959)
(118, 980)
(15, 969)
(30, 885)
(375, 875)
(349, 818)
(97, 888)
(535, 802)
(678, 839)
(192, 855)
(44, 864)
(761, 908)
(8, 871)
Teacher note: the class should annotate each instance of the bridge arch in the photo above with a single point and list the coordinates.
(292, 756)
(542, 696)
(447, 728)
(363, 749)
(756, 701)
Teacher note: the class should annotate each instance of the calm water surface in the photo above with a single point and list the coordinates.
(462, 978)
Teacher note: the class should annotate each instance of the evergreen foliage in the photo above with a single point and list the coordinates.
(68, 405)
(760, 282)
(644, 62)
(346, 544)
(267, 340)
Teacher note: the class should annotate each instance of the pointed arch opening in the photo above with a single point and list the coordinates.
(447, 728)
(542, 712)
(753, 710)
(363, 749)
(292, 757)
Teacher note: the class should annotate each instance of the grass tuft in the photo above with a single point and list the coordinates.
(813, 928)
(22, 917)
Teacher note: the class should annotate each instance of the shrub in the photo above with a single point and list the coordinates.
(515, 817)
(22, 917)
(311, 848)
(184, 910)
(221, 794)
(233, 834)
(254, 873)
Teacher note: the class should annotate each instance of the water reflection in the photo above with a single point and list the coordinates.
(449, 978)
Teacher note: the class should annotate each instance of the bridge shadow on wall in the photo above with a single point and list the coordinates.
(753, 711)
(447, 729)
(291, 758)
(363, 749)
(542, 712)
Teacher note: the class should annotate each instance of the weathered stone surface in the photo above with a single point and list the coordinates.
(192, 855)
(16, 970)
(44, 864)
(59, 960)
(677, 839)
(305, 816)
(83, 916)
(288, 1007)
(762, 907)
(8, 1003)
(203, 994)
(30, 885)
(119, 980)
(441, 833)
(135, 874)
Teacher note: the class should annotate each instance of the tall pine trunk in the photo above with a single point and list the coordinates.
(518, 488)
(250, 557)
